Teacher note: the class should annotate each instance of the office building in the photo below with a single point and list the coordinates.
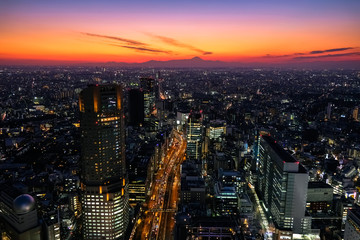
(226, 199)
(328, 111)
(352, 225)
(18, 215)
(104, 184)
(319, 197)
(137, 191)
(136, 107)
(192, 189)
(181, 119)
(216, 130)
(149, 88)
(283, 184)
(194, 136)
(232, 178)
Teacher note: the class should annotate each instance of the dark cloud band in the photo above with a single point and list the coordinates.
(331, 50)
(309, 54)
(142, 49)
(329, 55)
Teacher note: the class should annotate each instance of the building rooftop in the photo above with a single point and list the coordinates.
(318, 185)
(230, 173)
(284, 155)
(23, 204)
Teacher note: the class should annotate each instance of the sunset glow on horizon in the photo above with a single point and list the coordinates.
(138, 31)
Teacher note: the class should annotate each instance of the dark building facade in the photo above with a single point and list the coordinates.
(104, 183)
(136, 107)
(283, 184)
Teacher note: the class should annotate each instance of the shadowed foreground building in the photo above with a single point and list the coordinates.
(283, 184)
(352, 225)
(18, 215)
(104, 186)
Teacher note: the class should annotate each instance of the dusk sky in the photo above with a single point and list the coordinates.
(138, 31)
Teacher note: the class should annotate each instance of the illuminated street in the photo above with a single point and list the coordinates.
(157, 219)
(264, 221)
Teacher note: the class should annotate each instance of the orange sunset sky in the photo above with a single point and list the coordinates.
(138, 31)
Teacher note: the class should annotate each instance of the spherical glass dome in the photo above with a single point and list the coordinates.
(23, 204)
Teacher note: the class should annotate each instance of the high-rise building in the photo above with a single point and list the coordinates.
(136, 107)
(104, 185)
(148, 86)
(194, 136)
(283, 184)
(352, 225)
(328, 111)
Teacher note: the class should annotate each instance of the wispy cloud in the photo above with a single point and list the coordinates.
(283, 56)
(142, 49)
(176, 43)
(309, 54)
(328, 55)
(331, 50)
(276, 56)
(127, 43)
(118, 39)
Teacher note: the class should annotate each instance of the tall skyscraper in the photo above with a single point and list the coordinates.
(148, 86)
(283, 183)
(136, 107)
(328, 111)
(104, 185)
(194, 133)
(150, 89)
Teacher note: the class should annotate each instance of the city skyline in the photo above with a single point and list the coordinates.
(236, 154)
(177, 120)
(231, 31)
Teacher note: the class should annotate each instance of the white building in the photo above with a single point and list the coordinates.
(283, 184)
